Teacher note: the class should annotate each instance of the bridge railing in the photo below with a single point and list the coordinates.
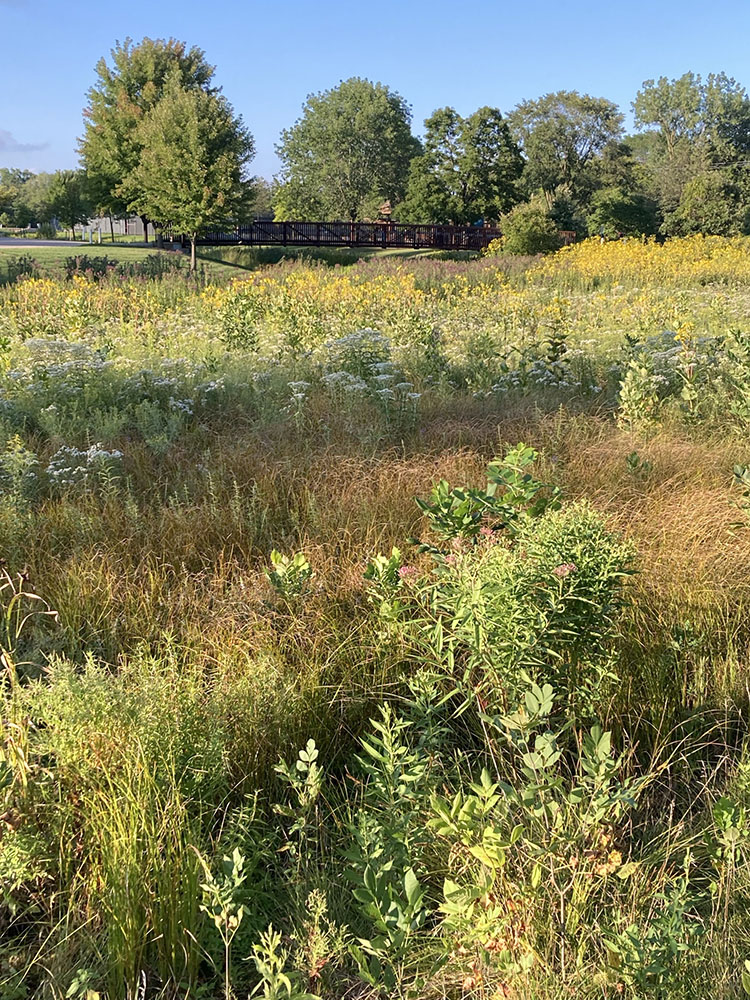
(359, 234)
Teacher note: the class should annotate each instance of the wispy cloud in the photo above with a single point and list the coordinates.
(9, 143)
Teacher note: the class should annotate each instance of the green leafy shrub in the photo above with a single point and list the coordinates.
(546, 606)
(529, 229)
(511, 496)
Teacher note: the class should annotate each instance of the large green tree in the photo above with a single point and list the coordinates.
(13, 210)
(561, 136)
(122, 97)
(190, 173)
(710, 203)
(68, 195)
(348, 153)
(37, 198)
(673, 108)
(691, 128)
(468, 170)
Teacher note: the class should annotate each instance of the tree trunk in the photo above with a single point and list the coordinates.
(144, 220)
(192, 253)
(112, 227)
(73, 231)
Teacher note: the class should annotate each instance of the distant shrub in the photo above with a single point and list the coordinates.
(95, 267)
(615, 212)
(528, 229)
(155, 265)
(20, 266)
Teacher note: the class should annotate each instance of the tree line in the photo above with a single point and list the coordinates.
(558, 162)
(161, 141)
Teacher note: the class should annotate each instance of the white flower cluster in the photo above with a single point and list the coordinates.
(359, 353)
(345, 383)
(70, 466)
(299, 391)
(64, 379)
(389, 390)
(540, 373)
(182, 406)
(667, 360)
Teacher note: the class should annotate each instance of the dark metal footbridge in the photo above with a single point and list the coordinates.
(354, 234)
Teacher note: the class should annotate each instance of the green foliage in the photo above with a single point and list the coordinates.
(81, 986)
(13, 208)
(461, 513)
(69, 198)
(386, 842)
(18, 471)
(468, 170)
(270, 958)
(304, 781)
(529, 229)
(387, 577)
(536, 842)
(122, 97)
(639, 396)
(614, 212)
(696, 126)
(547, 606)
(742, 480)
(645, 956)
(190, 167)
(20, 266)
(396, 913)
(639, 468)
(347, 153)
(289, 576)
(37, 200)
(561, 135)
(221, 902)
(710, 203)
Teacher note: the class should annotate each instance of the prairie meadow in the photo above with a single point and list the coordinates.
(376, 629)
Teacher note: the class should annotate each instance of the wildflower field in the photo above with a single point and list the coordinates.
(377, 630)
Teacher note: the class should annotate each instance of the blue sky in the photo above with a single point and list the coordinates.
(270, 55)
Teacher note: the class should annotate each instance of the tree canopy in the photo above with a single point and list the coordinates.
(351, 153)
(122, 97)
(13, 209)
(347, 154)
(695, 139)
(468, 170)
(561, 134)
(69, 198)
(194, 151)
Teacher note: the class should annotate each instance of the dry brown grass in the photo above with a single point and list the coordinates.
(186, 560)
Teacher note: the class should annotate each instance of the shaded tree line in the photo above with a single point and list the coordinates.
(43, 199)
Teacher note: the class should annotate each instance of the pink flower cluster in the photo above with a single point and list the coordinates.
(408, 573)
(564, 569)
